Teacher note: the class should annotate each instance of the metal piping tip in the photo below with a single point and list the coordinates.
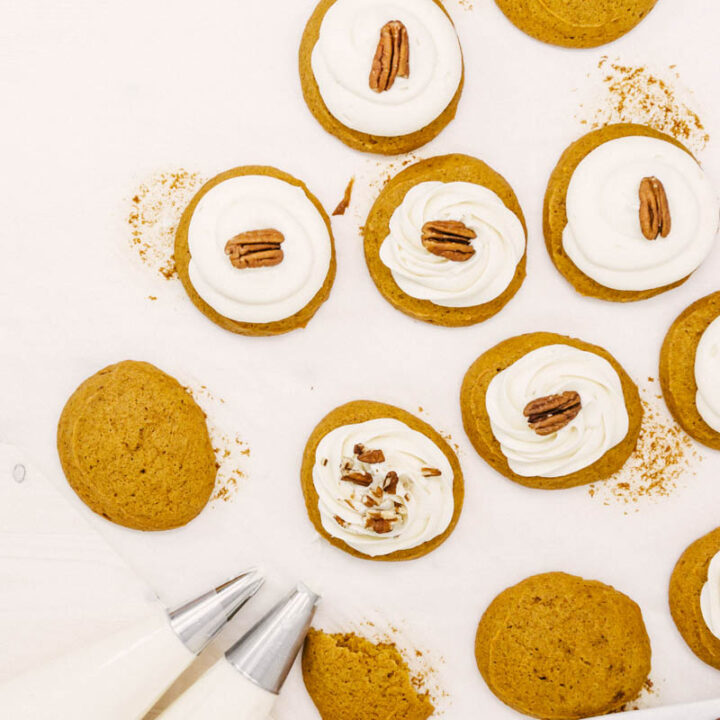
(197, 622)
(265, 654)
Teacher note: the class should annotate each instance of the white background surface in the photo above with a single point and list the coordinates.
(97, 96)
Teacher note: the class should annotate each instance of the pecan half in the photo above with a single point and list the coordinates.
(449, 239)
(654, 209)
(358, 478)
(371, 456)
(551, 413)
(392, 57)
(256, 248)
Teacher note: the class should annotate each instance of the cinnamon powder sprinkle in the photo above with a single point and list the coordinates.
(156, 208)
(344, 204)
(638, 94)
(664, 459)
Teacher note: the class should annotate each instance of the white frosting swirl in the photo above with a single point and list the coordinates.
(499, 246)
(343, 55)
(553, 369)
(265, 294)
(423, 505)
(710, 597)
(603, 235)
(707, 375)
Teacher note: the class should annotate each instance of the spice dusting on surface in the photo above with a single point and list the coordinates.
(639, 94)
(157, 206)
(664, 459)
(231, 452)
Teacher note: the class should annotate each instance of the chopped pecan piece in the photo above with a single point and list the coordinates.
(379, 525)
(340, 521)
(449, 239)
(371, 457)
(431, 472)
(344, 204)
(256, 248)
(391, 482)
(368, 501)
(551, 413)
(359, 447)
(358, 478)
(654, 209)
(392, 57)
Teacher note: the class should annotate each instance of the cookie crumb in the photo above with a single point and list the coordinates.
(344, 204)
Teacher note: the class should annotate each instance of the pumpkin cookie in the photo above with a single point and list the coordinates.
(576, 23)
(551, 412)
(383, 76)
(557, 646)
(255, 251)
(365, 465)
(445, 241)
(351, 678)
(690, 368)
(135, 447)
(628, 213)
(695, 597)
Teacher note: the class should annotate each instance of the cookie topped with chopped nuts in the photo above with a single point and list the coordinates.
(379, 483)
(383, 76)
(255, 251)
(629, 213)
(550, 412)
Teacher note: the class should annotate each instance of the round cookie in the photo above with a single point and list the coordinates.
(135, 447)
(677, 368)
(555, 213)
(445, 168)
(355, 139)
(477, 422)
(183, 257)
(361, 411)
(687, 580)
(351, 678)
(559, 647)
(576, 23)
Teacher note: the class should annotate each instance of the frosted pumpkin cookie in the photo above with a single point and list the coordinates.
(550, 411)
(628, 213)
(695, 597)
(380, 483)
(690, 370)
(135, 447)
(351, 678)
(445, 241)
(255, 251)
(559, 647)
(576, 23)
(383, 76)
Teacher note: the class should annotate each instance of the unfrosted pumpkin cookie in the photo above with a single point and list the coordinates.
(690, 370)
(380, 483)
(576, 23)
(559, 647)
(551, 412)
(255, 252)
(628, 213)
(445, 241)
(383, 76)
(695, 597)
(350, 678)
(135, 447)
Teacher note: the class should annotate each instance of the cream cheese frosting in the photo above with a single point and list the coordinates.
(264, 294)
(603, 237)
(553, 369)
(342, 60)
(499, 245)
(418, 506)
(710, 597)
(707, 375)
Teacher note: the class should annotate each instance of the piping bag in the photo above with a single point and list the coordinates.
(244, 684)
(122, 676)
